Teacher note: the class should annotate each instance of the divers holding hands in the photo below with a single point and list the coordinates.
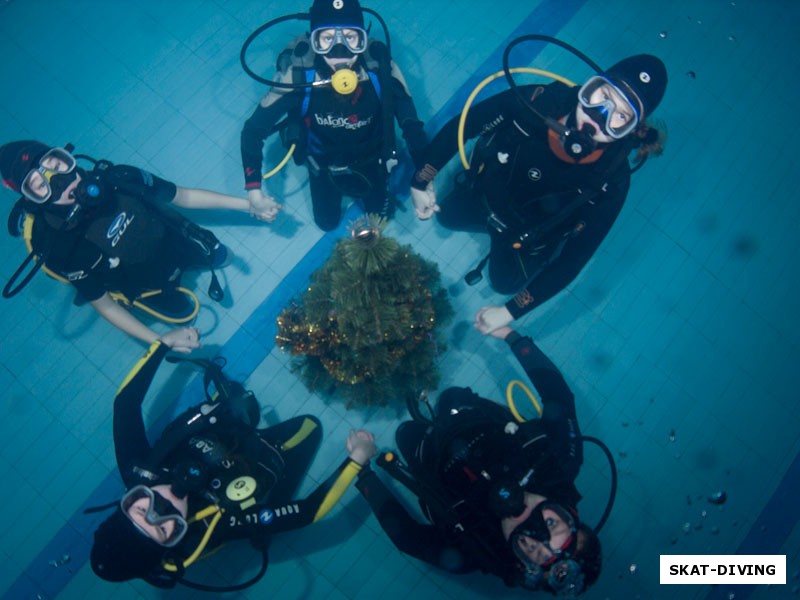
(423, 194)
(112, 233)
(183, 340)
(263, 206)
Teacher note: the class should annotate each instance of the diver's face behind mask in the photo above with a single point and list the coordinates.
(154, 516)
(54, 179)
(545, 535)
(325, 40)
(339, 46)
(544, 545)
(607, 109)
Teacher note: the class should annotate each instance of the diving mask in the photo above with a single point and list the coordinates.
(159, 513)
(616, 111)
(324, 39)
(546, 564)
(38, 185)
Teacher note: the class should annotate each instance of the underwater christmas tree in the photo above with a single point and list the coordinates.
(367, 327)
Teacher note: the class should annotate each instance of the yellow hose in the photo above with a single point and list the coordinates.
(217, 512)
(510, 399)
(118, 297)
(463, 120)
(281, 164)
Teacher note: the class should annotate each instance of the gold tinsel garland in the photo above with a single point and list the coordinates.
(299, 337)
(351, 344)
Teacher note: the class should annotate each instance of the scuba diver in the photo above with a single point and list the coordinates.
(340, 92)
(499, 494)
(212, 477)
(548, 177)
(110, 234)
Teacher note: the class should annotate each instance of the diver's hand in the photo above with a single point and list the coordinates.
(263, 206)
(491, 319)
(424, 202)
(182, 340)
(361, 446)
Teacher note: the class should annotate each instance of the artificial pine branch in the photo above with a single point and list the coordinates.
(368, 325)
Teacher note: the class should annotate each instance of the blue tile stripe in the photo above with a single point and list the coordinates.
(769, 531)
(244, 351)
(254, 340)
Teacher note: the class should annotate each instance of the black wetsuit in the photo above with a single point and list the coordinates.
(125, 244)
(557, 210)
(470, 438)
(217, 440)
(342, 137)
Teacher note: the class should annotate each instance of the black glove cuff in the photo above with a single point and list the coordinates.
(423, 177)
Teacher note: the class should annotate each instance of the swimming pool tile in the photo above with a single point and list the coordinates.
(697, 335)
(24, 527)
(376, 552)
(28, 423)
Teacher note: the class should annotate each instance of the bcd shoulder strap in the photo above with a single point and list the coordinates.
(37, 257)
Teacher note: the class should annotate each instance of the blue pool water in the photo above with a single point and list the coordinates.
(680, 339)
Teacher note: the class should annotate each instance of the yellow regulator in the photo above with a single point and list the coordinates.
(344, 81)
(241, 490)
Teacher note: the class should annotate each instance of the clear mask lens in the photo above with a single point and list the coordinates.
(620, 115)
(159, 513)
(36, 185)
(324, 39)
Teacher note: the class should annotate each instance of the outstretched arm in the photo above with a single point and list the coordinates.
(258, 206)
(483, 118)
(422, 541)
(423, 194)
(299, 513)
(260, 125)
(406, 114)
(123, 320)
(595, 218)
(130, 440)
(205, 200)
(558, 402)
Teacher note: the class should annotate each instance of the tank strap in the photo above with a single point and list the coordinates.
(307, 76)
(379, 54)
